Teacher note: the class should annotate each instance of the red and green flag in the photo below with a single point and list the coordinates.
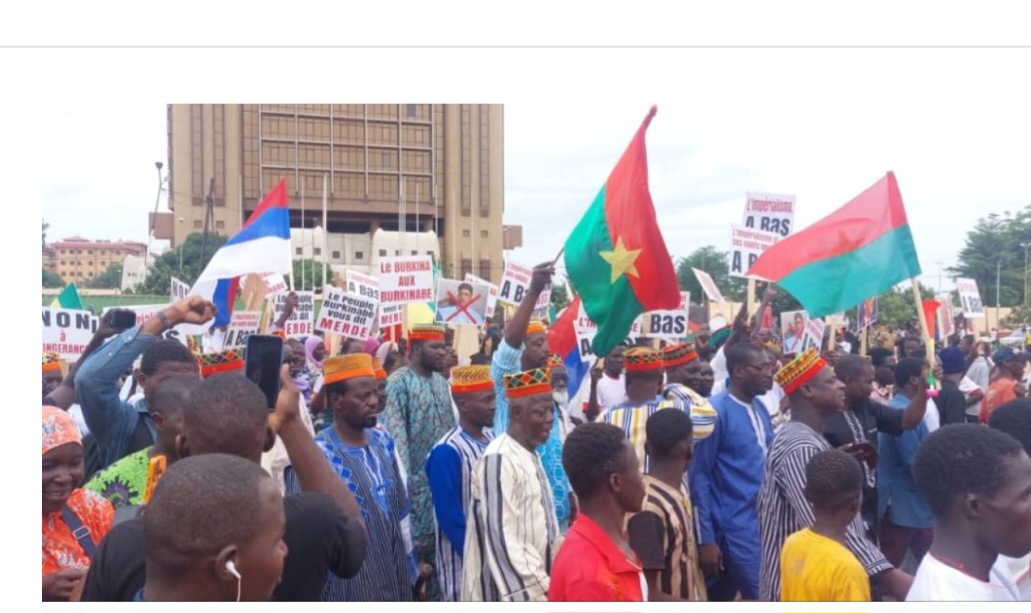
(856, 252)
(616, 257)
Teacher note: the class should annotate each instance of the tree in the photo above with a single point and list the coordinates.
(559, 297)
(51, 279)
(166, 266)
(714, 262)
(311, 279)
(996, 245)
(111, 278)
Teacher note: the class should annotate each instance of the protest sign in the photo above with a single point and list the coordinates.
(514, 283)
(346, 314)
(970, 299)
(814, 331)
(770, 213)
(301, 321)
(708, 286)
(587, 329)
(746, 245)
(461, 302)
(273, 281)
(361, 285)
(492, 293)
(793, 330)
(242, 325)
(540, 310)
(180, 333)
(179, 290)
(669, 325)
(66, 332)
(403, 280)
(867, 314)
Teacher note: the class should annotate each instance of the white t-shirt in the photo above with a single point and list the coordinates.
(937, 581)
(610, 391)
(1020, 571)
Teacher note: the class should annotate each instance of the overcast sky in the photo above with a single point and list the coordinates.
(956, 136)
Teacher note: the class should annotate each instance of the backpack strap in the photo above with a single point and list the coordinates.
(80, 532)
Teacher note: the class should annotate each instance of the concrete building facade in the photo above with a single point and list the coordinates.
(414, 172)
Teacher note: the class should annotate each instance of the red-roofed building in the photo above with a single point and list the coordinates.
(76, 259)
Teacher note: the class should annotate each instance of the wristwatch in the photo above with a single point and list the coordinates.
(164, 320)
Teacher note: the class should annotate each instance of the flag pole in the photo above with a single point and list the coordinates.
(325, 229)
(924, 332)
(559, 256)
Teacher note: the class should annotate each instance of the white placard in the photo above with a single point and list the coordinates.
(179, 290)
(587, 329)
(461, 302)
(301, 321)
(769, 213)
(540, 310)
(515, 282)
(669, 325)
(179, 333)
(404, 280)
(814, 331)
(242, 325)
(492, 293)
(67, 331)
(274, 283)
(709, 286)
(746, 245)
(362, 285)
(349, 315)
(970, 299)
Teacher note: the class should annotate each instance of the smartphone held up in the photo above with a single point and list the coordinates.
(263, 359)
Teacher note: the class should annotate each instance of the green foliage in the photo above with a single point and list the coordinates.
(714, 262)
(166, 266)
(995, 240)
(111, 278)
(308, 275)
(51, 279)
(559, 297)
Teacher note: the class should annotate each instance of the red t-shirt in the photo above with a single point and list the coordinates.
(589, 567)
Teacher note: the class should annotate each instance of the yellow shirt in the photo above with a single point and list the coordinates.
(814, 568)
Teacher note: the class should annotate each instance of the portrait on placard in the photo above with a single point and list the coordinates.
(792, 326)
(460, 302)
(867, 313)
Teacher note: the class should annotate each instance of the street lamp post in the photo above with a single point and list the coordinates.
(181, 221)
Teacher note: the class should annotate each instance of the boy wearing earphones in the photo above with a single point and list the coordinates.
(214, 530)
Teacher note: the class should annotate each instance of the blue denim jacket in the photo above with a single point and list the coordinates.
(112, 421)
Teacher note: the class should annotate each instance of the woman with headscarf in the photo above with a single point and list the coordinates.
(74, 519)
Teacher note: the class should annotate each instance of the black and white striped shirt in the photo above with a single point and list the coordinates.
(784, 510)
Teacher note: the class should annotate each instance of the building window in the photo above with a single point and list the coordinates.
(90, 252)
(429, 253)
(318, 251)
(483, 234)
(63, 262)
(382, 253)
(411, 110)
(414, 252)
(465, 234)
(299, 251)
(220, 225)
(336, 255)
(360, 255)
(197, 224)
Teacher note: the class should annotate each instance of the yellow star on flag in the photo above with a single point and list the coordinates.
(622, 260)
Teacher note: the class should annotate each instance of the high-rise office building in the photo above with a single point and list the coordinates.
(400, 179)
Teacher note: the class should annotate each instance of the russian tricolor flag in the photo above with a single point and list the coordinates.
(262, 245)
(562, 341)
